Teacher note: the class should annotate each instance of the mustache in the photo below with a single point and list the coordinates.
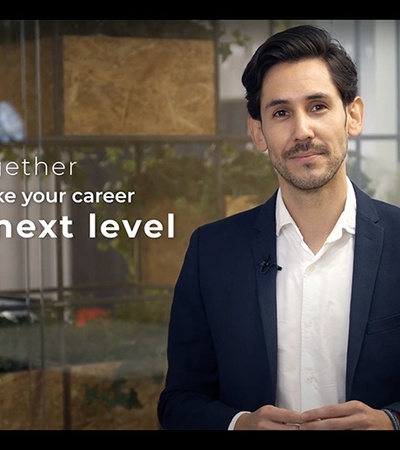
(305, 147)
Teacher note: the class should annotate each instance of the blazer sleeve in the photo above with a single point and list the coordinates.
(191, 387)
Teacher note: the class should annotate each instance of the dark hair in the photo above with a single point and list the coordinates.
(295, 44)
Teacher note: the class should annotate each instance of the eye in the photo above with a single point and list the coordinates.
(280, 113)
(318, 107)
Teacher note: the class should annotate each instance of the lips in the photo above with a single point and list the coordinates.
(306, 151)
(305, 156)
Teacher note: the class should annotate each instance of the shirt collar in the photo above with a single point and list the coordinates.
(282, 214)
(346, 221)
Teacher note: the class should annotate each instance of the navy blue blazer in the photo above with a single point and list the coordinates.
(222, 343)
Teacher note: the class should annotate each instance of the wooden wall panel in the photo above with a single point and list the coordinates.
(138, 86)
(34, 400)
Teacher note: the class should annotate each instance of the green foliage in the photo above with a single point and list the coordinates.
(14, 345)
(194, 182)
(247, 172)
(225, 46)
(114, 394)
(150, 311)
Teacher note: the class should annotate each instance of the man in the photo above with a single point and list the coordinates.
(287, 316)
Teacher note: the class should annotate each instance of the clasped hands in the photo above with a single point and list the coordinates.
(351, 415)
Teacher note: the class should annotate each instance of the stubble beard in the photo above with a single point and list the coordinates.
(309, 180)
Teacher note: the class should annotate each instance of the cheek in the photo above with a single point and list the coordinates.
(278, 138)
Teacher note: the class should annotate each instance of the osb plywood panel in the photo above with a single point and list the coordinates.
(186, 219)
(165, 269)
(97, 416)
(138, 86)
(34, 401)
(26, 81)
(26, 396)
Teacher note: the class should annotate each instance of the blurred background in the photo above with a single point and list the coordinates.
(154, 107)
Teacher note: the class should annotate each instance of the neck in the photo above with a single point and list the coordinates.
(316, 212)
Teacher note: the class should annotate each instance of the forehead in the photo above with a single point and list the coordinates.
(293, 80)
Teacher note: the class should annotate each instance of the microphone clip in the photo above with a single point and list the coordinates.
(266, 264)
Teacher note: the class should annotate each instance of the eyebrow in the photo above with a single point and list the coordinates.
(282, 101)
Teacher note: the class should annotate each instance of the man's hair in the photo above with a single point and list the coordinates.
(296, 44)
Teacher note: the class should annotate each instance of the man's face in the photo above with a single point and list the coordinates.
(304, 124)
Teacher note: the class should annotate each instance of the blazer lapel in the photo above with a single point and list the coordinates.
(367, 251)
(264, 251)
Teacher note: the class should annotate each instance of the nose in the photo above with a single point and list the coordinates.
(303, 129)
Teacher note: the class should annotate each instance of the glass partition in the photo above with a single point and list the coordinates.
(117, 139)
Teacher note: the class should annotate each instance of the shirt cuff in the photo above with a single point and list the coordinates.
(235, 418)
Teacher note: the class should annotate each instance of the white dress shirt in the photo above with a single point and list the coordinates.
(313, 306)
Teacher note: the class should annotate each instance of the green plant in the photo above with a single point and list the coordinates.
(192, 183)
(116, 393)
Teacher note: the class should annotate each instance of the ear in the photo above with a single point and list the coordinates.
(255, 129)
(355, 117)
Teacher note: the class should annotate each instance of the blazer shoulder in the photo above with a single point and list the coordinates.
(250, 219)
(377, 210)
(240, 220)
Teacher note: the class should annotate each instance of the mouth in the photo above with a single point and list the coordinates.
(305, 157)
(306, 151)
